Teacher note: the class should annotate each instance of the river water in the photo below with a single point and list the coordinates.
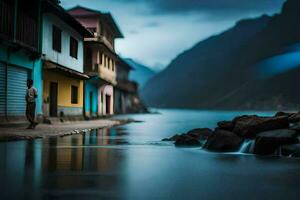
(131, 162)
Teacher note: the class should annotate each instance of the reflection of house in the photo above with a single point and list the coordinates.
(62, 49)
(100, 59)
(19, 55)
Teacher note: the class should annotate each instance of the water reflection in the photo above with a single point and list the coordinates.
(111, 164)
(49, 168)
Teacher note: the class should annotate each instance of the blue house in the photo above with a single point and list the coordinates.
(20, 57)
(91, 97)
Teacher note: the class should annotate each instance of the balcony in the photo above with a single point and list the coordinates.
(6, 20)
(100, 38)
(26, 32)
(129, 86)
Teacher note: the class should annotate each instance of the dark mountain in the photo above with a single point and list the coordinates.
(141, 74)
(225, 70)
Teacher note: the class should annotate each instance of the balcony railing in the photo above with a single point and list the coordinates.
(6, 20)
(26, 26)
(27, 30)
(102, 39)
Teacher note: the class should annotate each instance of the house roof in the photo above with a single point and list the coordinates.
(105, 16)
(50, 6)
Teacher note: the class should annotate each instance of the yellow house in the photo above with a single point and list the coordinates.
(62, 49)
(62, 93)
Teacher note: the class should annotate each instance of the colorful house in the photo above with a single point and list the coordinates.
(62, 49)
(126, 91)
(100, 59)
(19, 55)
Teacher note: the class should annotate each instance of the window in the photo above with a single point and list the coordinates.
(100, 58)
(74, 94)
(56, 39)
(73, 47)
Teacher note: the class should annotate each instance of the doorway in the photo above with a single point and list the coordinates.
(53, 99)
(108, 101)
(91, 104)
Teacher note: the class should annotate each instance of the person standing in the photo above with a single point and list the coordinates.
(31, 95)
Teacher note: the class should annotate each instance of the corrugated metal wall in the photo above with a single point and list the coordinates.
(2, 90)
(16, 90)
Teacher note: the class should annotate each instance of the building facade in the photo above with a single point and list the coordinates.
(100, 59)
(62, 57)
(126, 92)
(20, 57)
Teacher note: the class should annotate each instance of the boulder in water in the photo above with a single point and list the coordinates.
(222, 140)
(200, 133)
(289, 150)
(226, 125)
(266, 143)
(248, 126)
(186, 140)
(283, 114)
(173, 138)
(294, 118)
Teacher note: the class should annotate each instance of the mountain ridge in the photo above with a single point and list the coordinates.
(213, 71)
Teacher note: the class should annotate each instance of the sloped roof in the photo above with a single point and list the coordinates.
(50, 6)
(91, 12)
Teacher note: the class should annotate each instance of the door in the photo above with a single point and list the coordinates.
(16, 90)
(53, 99)
(108, 101)
(91, 103)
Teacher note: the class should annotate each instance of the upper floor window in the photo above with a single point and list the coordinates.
(74, 94)
(73, 47)
(56, 38)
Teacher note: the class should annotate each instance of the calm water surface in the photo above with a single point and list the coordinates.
(130, 162)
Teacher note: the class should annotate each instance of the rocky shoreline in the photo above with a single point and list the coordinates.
(278, 134)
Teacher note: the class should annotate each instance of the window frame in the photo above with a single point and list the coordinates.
(73, 47)
(74, 94)
(56, 38)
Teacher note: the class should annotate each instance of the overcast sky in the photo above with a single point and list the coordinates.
(156, 31)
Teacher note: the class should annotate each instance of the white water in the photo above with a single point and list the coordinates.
(247, 146)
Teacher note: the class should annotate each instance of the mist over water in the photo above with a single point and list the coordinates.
(284, 62)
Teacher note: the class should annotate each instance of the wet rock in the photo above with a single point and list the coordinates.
(289, 150)
(283, 114)
(186, 140)
(200, 133)
(173, 138)
(267, 142)
(296, 155)
(294, 118)
(222, 140)
(226, 125)
(248, 126)
(296, 127)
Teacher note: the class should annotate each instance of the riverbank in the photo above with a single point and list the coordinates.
(12, 132)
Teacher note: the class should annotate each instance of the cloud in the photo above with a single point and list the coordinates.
(151, 25)
(219, 7)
